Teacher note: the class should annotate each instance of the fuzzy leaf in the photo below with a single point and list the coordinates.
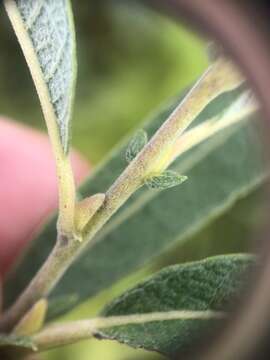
(49, 27)
(151, 222)
(136, 144)
(166, 180)
(208, 285)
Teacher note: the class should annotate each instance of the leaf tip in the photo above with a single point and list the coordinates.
(166, 180)
(136, 144)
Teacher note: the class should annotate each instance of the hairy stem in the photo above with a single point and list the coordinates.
(67, 333)
(219, 78)
(44, 281)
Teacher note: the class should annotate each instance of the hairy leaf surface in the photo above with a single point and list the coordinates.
(208, 285)
(136, 145)
(49, 26)
(166, 180)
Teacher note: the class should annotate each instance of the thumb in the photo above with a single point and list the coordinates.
(28, 187)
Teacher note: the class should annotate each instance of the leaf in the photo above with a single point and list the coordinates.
(17, 341)
(74, 331)
(136, 144)
(44, 29)
(33, 320)
(50, 36)
(152, 222)
(166, 180)
(208, 285)
(61, 304)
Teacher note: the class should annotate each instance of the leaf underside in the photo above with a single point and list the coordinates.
(49, 25)
(211, 284)
(142, 229)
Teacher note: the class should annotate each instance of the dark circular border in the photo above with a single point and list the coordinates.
(242, 28)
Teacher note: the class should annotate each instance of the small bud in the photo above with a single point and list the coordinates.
(33, 320)
(136, 144)
(166, 180)
(85, 210)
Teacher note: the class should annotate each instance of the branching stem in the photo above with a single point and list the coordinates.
(219, 78)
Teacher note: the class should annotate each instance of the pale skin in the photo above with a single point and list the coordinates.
(27, 165)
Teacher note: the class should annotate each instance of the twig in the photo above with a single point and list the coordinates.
(219, 78)
(67, 333)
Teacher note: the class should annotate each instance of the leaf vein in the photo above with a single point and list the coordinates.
(34, 15)
(59, 58)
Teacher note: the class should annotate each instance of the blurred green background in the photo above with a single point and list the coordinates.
(131, 60)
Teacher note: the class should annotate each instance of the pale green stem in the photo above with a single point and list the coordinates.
(219, 78)
(67, 333)
(66, 184)
(44, 281)
(210, 127)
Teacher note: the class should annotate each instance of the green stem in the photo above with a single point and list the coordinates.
(220, 77)
(67, 333)
(66, 184)
(44, 281)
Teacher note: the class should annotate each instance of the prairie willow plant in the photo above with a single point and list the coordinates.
(207, 131)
